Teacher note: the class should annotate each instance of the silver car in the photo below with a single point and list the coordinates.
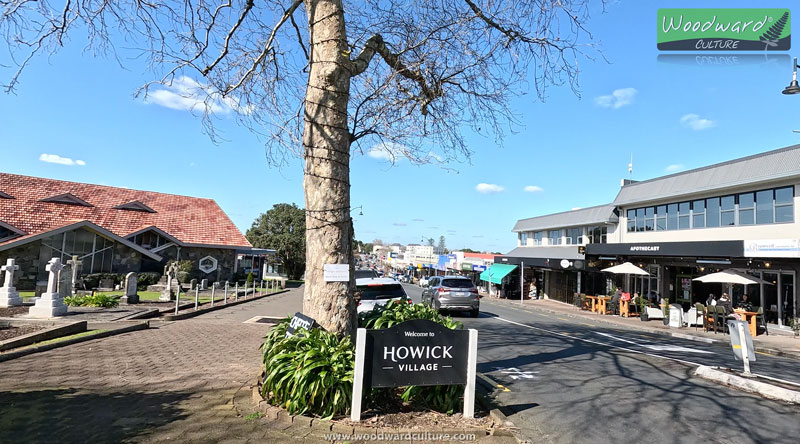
(455, 293)
(373, 292)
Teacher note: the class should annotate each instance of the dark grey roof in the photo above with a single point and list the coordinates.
(600, 214)
(567, 252)
(769, 166)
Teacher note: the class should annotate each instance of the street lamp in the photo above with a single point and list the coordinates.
(794, 87)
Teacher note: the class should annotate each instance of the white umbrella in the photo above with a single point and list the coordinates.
(730, 277)
(626, 268)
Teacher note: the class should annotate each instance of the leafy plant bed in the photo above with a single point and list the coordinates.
(13, 332)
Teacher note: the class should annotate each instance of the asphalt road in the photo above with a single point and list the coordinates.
(571, 381)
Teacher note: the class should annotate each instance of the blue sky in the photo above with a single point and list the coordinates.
(670, 114)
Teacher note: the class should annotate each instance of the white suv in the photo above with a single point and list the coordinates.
(373, 292)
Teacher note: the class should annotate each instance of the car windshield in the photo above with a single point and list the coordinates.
(373, 292)
(360, 274)
(457, 283)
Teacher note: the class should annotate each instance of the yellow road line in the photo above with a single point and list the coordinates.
(765, 354)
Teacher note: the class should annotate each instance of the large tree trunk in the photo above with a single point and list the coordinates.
(326, 143)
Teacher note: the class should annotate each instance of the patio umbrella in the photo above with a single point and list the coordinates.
(626, 268)
(730, 277)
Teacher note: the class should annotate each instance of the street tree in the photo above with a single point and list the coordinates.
(442, 244)
(325, 79)
(282, 228)
(431, 242)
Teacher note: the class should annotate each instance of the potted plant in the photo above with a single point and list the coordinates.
(666, 311)
(642, 308)
(795, 326)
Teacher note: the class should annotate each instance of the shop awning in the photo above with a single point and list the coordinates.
(497, 272)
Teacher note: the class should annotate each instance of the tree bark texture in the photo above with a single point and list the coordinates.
(326, 180)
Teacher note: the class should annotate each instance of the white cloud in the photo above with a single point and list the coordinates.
(399, 224)
(488, 188)
(533, 189)
(192, 164)
(674, 167)
(390, 152)
(617, 99)
(417, 220)
(695, 122)
(55, 158)
(187, 94)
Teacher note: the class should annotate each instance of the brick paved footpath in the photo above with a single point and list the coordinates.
(172, 383)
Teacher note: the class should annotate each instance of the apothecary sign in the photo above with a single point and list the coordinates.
(418, 352)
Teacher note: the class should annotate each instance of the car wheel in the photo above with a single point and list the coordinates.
(474, 313)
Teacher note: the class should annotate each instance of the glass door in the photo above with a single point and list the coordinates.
(769, 298)
(788, 298)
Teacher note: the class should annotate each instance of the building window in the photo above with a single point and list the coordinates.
(523, 239)
(784, 204)
(727, 212)
(554, 236)
(640, 219)
(765, 207)
(631, 221)
(649, 219)
(712, 212)
(684, 213)
(672, 217)
(661, 218)
(573, 235)
(747, 209)
(699, 214)
(537, 237)
(597, 235)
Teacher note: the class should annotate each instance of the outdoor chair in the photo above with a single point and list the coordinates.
(720, 319)
(760, 318)
(700, 313)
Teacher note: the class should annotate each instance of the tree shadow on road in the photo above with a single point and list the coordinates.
(70, 415)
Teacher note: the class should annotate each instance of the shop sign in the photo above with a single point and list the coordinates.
(479, 268)
(417, 352)
(467, 267)
(772, 248)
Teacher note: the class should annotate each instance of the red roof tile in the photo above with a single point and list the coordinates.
(191, 220)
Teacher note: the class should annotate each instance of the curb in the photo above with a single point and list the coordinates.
(191, 314)
(36, 349)
(44, 335)
(149, 313)
(751, 385)
(688, 336)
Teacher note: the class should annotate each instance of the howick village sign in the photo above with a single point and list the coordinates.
(418, 352)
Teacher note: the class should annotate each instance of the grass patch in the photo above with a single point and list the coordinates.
(253, 416)
(61, 339)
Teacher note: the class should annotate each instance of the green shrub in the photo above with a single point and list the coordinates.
(310, 373)
(249, 278)
(184, 277)
(93, 280)
(185, 265)
(94, 300)
(441, 398)
(147, 278)
(395, 312)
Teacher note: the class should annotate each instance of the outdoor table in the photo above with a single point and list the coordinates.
(750, 317)
(594, 302)
(601, 304)
(624, 308)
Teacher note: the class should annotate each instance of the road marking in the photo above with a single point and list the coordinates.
(516, 373)
(600, 343)
(654, 347)
(588, 325)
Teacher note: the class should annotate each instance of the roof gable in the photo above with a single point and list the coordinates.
(135, 205)
(190, 220)
(67, 199)
(600, 214)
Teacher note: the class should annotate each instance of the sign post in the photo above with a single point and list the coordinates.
(742, 343)
(418, 352)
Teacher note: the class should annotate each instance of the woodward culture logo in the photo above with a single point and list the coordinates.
(724, 30)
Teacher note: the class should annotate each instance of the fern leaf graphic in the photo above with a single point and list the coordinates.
(772, 35)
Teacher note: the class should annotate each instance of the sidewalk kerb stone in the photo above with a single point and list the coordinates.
(751, 385)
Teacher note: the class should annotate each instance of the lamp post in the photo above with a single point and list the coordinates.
(794, 87)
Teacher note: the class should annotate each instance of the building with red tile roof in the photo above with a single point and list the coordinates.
(112, 229)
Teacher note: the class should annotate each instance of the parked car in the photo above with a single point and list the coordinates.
(454, 293)
(361, 273)
(373, 292)
(423, 281)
